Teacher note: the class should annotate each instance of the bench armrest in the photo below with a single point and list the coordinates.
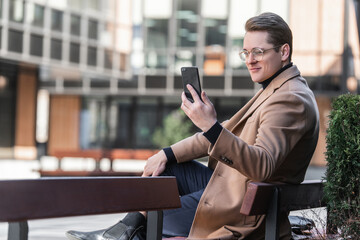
(308, 194)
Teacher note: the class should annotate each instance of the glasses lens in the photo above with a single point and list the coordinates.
(243, 55)
(257, 53)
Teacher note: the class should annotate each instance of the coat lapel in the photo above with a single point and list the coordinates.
(234, 120)
(261, 96)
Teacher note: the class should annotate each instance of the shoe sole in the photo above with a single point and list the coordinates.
(71, 237)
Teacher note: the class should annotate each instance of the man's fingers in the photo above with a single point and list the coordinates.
(205, 98)
(193, 93)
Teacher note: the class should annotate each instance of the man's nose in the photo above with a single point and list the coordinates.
(250, 58)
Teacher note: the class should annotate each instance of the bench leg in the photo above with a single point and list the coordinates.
(18, 231)
(154, 225)
(271, 225)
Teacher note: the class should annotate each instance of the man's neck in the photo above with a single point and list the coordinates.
(266, 82)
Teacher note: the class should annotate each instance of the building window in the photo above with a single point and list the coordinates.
(75, 25)
(93, 29)
(56, 20)
(157, 33)
(187, 18)
(36, 45)
(1, 8)
(15, 41)
(74, 52)
(56, 49)
(108, 59)
(146, 122)
(92, 59)
(156, 59)
(37, 16)
(16, 10)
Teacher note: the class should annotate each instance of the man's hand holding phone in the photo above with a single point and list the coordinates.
(201, 112)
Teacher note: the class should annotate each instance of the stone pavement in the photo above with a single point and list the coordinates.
(54, 229)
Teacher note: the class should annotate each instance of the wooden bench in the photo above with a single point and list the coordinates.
(97, 155)
(23, 200)
(271, 199)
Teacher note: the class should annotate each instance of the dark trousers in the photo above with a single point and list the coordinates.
(192, 178)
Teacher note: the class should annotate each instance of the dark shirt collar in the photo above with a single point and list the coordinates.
(267, 81)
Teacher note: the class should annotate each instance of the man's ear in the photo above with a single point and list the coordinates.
(285, 52)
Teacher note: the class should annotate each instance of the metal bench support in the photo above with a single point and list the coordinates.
(18, 230)
(154, 225)
(272, 219)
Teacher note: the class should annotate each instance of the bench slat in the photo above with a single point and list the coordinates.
(73, 196)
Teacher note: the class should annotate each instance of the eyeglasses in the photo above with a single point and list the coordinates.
(257, 53)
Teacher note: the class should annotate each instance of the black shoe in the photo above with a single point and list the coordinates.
(119, 231)
(123, 230)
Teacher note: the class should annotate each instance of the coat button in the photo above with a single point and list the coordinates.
(226, 160)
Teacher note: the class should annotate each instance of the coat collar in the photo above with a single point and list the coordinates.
(261, 96)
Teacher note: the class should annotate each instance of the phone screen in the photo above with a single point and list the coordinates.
(190, 75)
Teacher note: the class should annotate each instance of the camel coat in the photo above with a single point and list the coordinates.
(271, 139)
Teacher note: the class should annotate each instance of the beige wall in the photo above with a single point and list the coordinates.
(317, 27)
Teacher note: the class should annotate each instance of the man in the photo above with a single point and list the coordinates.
(271, 139)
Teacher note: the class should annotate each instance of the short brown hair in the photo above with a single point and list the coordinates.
(279, 31)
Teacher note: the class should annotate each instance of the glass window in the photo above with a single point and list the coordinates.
(157, 33)
(15, 41)
(91, 57)
(75, 25)
(56, 49)
(184, 58)
(37, 18)
(156, 60)
(36, 45)
(56, 20)
(74, 52)
(215, 23)
(16, 10)
(93, 29)
(93, 123)
(1, 8)
(146, 122)
(108, 59)
(120, 123)
(215, 30)
(124, 61)
(187, 16)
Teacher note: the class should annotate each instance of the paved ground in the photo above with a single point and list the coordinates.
(49, 229)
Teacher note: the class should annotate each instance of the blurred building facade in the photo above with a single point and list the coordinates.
(82, 74)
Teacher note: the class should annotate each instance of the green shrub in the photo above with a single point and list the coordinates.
(343, 166)
(176, 126)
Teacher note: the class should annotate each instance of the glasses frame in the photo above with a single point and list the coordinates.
(244, 54)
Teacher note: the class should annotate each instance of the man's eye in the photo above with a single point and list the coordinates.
(256, 51)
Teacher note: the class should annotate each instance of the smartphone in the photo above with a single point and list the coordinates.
(190, 75)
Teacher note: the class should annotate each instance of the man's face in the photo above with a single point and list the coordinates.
(271, 61)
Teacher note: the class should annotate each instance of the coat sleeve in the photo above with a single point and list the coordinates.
(277, 128)
(191, 148)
